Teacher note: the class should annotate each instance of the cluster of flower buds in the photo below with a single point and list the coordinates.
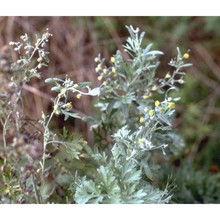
(105, 73)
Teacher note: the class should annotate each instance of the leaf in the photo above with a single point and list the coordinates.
(186, 65)
(164, 119)
(95, 92)
(56, 88)
(70, 114)
(52, 80)
(147, 170)
(154, 53)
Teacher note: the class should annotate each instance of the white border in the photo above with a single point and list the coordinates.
(109, 212)
(109, 7)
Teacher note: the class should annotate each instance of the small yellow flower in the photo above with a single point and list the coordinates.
(171, 105)
(167, 76)
(104, 83)
(154, 88)
(112, 59)
(145, 109)
(185, 55)
(140, 140)
(105, 71)
(151, 113)
(145, 97)
(157, 103)
(55, 108)
(69, 105)
(75, 86)
(141, 119)
(113, 70)
(62, 91)
(6, 191)
(78, 96)
(96, 59)
(99, 78)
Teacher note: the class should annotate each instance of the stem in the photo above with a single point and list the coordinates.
(37, 196)
(46, 133)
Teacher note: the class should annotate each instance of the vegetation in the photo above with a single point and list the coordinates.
(131, 154)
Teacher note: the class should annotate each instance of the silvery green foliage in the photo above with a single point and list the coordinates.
(132, 124)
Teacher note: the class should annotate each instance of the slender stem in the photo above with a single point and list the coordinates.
(46, 133)
(37, 196)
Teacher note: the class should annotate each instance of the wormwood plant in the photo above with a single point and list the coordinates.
(135, 121)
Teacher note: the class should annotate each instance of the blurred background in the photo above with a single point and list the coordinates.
(76, 42)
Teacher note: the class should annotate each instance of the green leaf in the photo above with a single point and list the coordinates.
(95, 92)
(69, 114)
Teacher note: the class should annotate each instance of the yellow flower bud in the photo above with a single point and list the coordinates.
(104, 83)
(154, 88)
(63, 91)
(78, 96)
(141, 119)
(55, 108)
(112, 59)
(105, 71)
(157, 103)
(68, 105)
(75, 86)
(145, 97)
(186, 56)
(167, 76)
(99, 78)
(171, 105)
(96, 59)
(151, 113)
(140, 140)
(113, 70)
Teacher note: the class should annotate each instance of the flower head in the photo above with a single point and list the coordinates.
(75, 86)
(186, 56)
(78, 96)
(63, 91)
(154, 88)
(157, 103)
(105, 71)
(112, 59)
(141, 119)
(171, 105)
(113, 70)
(167, 76)
(151, 113)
